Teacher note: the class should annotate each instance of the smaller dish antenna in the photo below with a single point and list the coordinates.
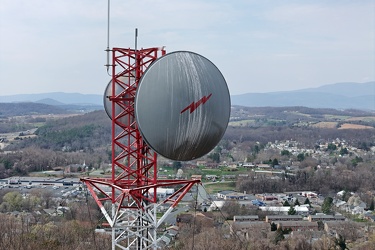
(182, 106)
(126, 119)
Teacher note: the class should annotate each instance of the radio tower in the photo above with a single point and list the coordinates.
(128, 199)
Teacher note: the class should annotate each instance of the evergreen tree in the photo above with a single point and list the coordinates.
(301, 157)
(273, 227)
(275, 162)
(286, 204)
(256, 149)
(285, 152)
(344, 151)
(215, 157)
(331, 147)
(176, 165)
(307, 201)
(327, 205)
(292, 211)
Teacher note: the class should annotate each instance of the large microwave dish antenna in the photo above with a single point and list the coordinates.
(182, 106)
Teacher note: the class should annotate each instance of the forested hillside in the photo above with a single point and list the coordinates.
(28, 108)
(81, 132)
(60, 142)
(87, 137)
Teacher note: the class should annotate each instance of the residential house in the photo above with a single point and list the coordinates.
(229, 176)
(202, 163)
(263, 166)
(212, 165)
(356, 209)
(324, 217)
(231, 195)
(198, 219)
(245, 228)
(74, 168)
(340, 204)
(370, 217)
(269, 198)
(50, 211)
(240, 218)
(196, 177)
(349, 229)
(248, 165)
(298, 225)
(276, 218)
(172, 230)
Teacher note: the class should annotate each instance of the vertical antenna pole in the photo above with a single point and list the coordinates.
(136, 38)
(108, 16)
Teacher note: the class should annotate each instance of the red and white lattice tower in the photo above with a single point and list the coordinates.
(128, 199)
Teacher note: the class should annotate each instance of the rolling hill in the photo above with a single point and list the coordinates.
(336, 96)
(348, 95)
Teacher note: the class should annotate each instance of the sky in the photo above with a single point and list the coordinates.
(259, 46)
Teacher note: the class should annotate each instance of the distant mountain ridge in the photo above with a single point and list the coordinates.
(63, 98)
(349, 89)
(29, 108)
(71, 102)
(347, 95)
(336, 96)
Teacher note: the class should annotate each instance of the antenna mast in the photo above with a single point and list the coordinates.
(128, 198)
(108, 50)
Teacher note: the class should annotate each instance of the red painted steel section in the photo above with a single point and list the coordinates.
(134, 164)
(194, 105)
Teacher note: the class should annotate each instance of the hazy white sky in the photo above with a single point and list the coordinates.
(259, 46)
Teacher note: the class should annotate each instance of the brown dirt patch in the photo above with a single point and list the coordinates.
(354, 126)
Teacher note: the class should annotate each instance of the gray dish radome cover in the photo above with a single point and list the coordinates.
(182, 106)
(124, 120)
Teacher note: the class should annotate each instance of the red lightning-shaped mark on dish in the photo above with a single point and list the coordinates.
(194, 105)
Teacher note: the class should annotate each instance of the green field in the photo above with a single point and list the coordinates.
(242, 123)
(216, 187)
(201, 170)
(336, 117)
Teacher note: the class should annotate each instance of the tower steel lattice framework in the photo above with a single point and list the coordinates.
(128, 199)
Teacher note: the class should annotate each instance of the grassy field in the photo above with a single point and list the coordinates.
(366, 119)
(219, 172)
(242, 123)
(216, 187)
(336, 117)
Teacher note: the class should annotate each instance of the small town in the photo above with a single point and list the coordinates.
(221, 202)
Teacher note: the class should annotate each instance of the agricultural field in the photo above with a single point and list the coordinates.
(242, 123)
(362, 118)
(337, 117)
(215, 187)
(354, 126)
(325, 125)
